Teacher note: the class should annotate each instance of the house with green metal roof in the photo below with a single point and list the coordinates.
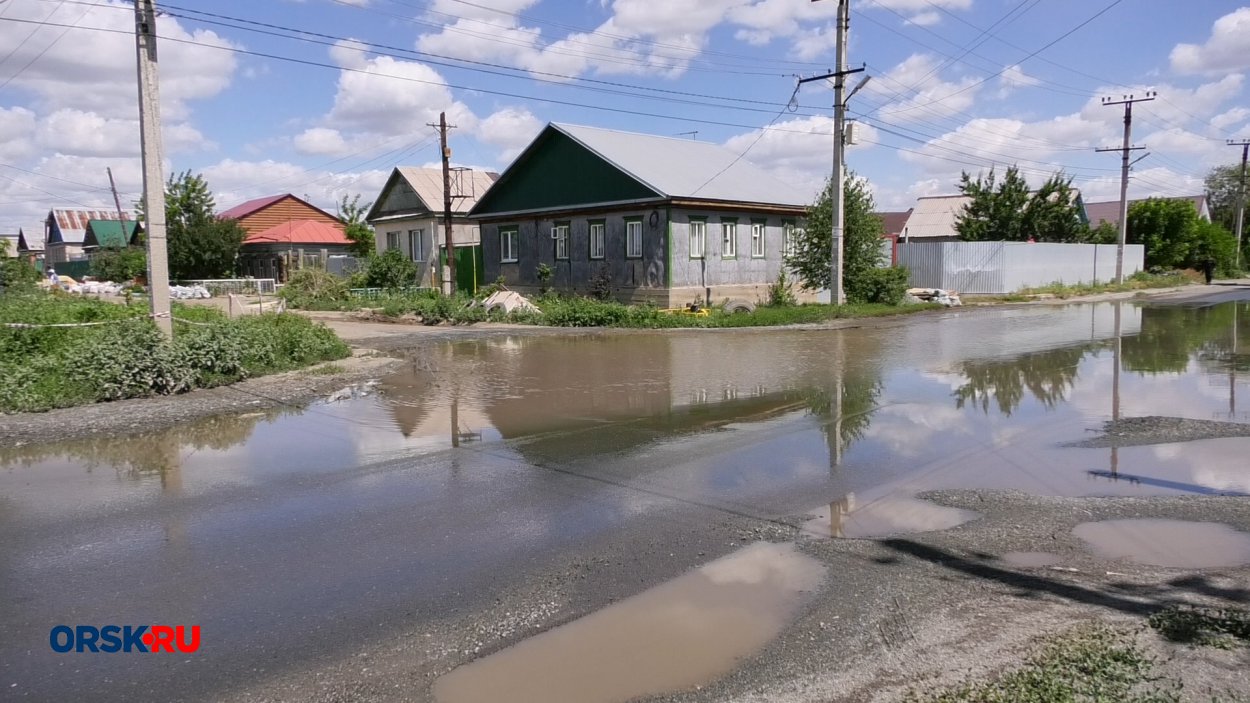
(650, 218)
(111, 234)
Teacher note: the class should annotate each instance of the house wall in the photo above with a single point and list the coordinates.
(463, 233)
(277, 261)
(637, 279)
(58, 252)
(741, 277)
(285, 210)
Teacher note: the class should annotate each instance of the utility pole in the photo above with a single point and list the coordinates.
(153, 179)
(442, 126)
(1127, 101)
(1241, 193)
(116, 200)
(837, 293)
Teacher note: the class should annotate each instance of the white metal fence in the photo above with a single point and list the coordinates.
(1006, 267)
(237, 286)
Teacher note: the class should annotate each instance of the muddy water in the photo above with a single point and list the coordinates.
(680, 634)
(1159, 542)
(1030, 560)
(884, 517)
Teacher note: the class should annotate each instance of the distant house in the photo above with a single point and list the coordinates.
(65, 231)
(30, 243)
(290, 246)
(892, 226)
(934, 217)
(258, 215)
(648, 218)
(9, 243)
(408, 216)
(110, 234)
(1109, 211)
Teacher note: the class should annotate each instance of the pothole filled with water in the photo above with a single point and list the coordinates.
(1160, 542)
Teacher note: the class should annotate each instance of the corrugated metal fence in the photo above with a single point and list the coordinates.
(1006, 267)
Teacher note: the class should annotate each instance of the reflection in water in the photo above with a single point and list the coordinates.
(1046, 375)
(683, 633)
(1171, 335)
(1030, 560)
(885, 517)
(1157, 542)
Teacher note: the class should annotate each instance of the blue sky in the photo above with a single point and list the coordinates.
(956, 84)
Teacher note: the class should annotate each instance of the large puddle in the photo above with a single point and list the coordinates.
(680, 634)
(1158, 542)
(884, 517)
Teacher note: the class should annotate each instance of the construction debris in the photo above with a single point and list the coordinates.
(949, 298)
(508, 301)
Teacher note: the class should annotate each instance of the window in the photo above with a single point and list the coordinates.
(698, 238)
(633, 239)
(507, 245)
(416, 244)
(729, 239)
(560, 233)
(788, 243)
(596, 240)
(757, 240)
(392, 240)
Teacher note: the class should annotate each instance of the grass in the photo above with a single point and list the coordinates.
(1090, 663)
(52, 367)
(326, 370)
(1138, 281)
(1226, 628)
(584, 312)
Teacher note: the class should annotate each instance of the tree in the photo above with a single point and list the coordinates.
(357, 230)
(120, 265)
(1223, 185)
(200, 245)
(861, 244)
(390, 270)
(1168, 229)
(1008, 211)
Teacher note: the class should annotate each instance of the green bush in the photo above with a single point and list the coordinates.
(779, 293)
(390, 270)
(44, 368)
(119, 265)
(886, 286)
(17, 275)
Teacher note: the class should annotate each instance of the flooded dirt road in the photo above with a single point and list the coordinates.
(495, 489)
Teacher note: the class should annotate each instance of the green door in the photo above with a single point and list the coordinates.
(468, 267)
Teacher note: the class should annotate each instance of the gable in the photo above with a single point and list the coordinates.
(556, 172)
(397, 197)
(288, 209)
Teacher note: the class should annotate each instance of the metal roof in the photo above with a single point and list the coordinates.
(894, 222)
(109, 233)
(1110, 211)
(428, 185)
(300, 232)
(686, 168)
(935, 216)
(251, 206)
(71, 225)
(30, 238)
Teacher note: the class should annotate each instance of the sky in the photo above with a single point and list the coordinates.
(322, 98)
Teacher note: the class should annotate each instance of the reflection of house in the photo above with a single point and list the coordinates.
(65, 231)
(111, 234)
(408, 217)
(258, 215)
(1109, 212)
(288, 246)
(651, 218)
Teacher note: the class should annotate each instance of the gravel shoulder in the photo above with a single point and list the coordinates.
(1137, 431)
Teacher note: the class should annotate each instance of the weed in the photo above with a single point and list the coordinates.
(1224, 628)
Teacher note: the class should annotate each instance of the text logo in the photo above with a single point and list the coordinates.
(111, 639)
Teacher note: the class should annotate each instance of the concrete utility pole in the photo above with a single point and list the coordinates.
(1241, 192)
(1127, 101)
(837, 183)
(153, 179)
(450, 287)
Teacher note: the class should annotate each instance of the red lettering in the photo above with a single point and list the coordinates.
(185, 646)
(162, 638)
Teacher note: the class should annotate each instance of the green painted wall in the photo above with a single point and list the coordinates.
(558, 172)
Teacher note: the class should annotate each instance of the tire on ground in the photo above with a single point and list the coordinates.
(739, 305)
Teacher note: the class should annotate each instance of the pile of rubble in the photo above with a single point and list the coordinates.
(188, 292)
(949, 298)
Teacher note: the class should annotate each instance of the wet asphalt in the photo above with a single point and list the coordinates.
(366, 576)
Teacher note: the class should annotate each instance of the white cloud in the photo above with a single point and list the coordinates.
(1014, 77)
(389, 97)
(812, 43)
(321, 141)
(79, 133)
(235, 181)
(511, 129)
(17, 128)
(1224, 50)
(927, 95)
(922, 13)
(1230, 118)
(925, 19)
(798, 151)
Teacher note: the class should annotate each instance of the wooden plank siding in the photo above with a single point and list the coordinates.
(285, 210)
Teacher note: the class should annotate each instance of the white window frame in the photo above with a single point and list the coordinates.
(560, 233)
(758, 233)
(597, 236)
(729, 240)
(788, 242)
(633, 239)
(698, 239)
(393, 241)
(508, 240)
(416, 244)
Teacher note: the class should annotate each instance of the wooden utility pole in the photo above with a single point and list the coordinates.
(837, 183)
(1127, 101)
(1241, 193)
(442, 126)
(116, 200)
(153, 179)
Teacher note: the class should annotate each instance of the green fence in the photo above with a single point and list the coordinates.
(469, 266)
(74, 269)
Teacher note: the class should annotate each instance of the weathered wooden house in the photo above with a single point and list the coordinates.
(290, 246)
(258, 215)
(408, 216)
(65, 231)
(649, 218)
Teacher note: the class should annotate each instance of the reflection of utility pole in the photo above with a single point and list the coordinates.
(1115, 389)
(834, 433)
(153, 181)
(1232, 362)
(1127, 102)
(1241, 192)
